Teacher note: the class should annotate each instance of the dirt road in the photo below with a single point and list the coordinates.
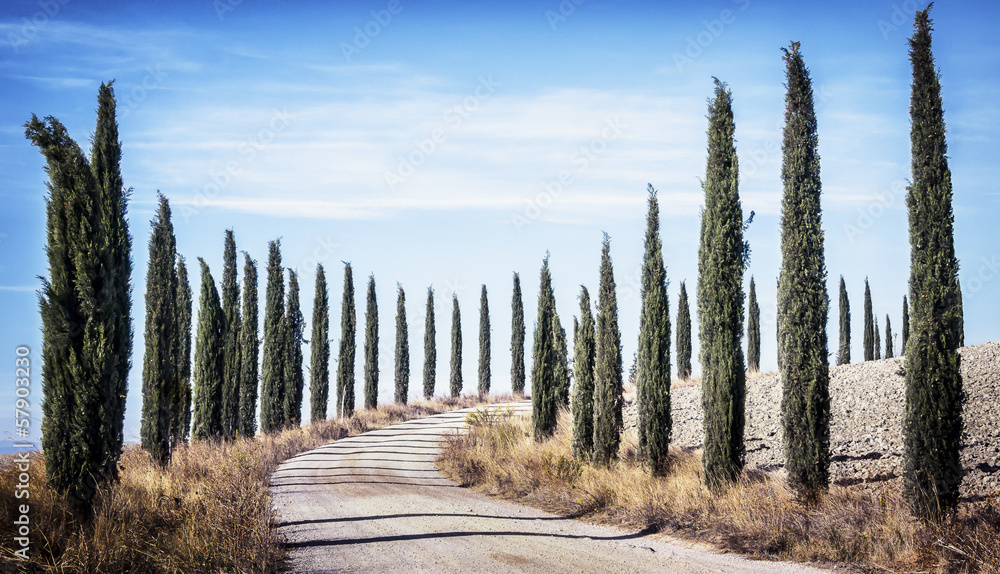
(376, 503)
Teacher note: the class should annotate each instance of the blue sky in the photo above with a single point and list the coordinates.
(452, 144)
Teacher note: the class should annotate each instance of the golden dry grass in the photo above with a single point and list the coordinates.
(210, 510)
(759, 516)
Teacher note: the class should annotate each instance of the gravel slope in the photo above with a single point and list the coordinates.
(867, 403)
(376, 503)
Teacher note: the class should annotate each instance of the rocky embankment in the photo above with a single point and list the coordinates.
(867, 402)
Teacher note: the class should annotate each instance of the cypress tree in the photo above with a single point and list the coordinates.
(249, 374)
(888, 338)
(293, 379)
(484, 345)
(371, 347)
(272, 388)
(720, 299)
(345, 362)
(319, 353)
(159, 363)
(517, 331)
(607, 366)
(209, 359)
(869, 341)
(802, 298)
(562, 373)
(402, 349)
(683, 335)
(844, 351)
(932, 424)
(584, 349)
(181, 426)
(430, 346)
(85, 305)
(456, 347)
(231, 350)
(543, 364)
(878, 340)
(753, 330)
(905, 330)
(653, 360)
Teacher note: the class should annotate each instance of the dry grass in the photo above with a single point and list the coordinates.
(759, 516)
(210, 510)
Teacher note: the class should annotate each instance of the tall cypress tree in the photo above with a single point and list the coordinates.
(543, 364)
(159, 364)
(209, 357)
(932, 426)
(456, 347)
(181, 426)
(319, 353)
(231, 350)
(607, 365)
(402, 349)
(484, 345)
(85, 304)
(653, 380)
(249, 374)
(844, 351)
(371, 347)
(802, 298)
(583, 374)
(517, 331)
(430, 346)
(272, 388)
(888, 338)
(905, 330)
(683, 335)
(878, 340)
(293, 379)
(720, 299)
(753, 330)
(562, 372)
(869, 342)
(348, 335)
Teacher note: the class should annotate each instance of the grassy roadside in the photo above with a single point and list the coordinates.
(210, 510)
(868, 530)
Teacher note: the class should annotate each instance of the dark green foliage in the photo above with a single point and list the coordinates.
(293, 379)
(543, 360)
(888, 338)
(878, 341)
(159, 368)
(905, 330)
(683, 335)
(371, 347)
(456, 347)
(272, 387)
(85, 304)
(319, 353)
(753, 330)
(517, 331)
(932, 424)
(232, 368)
(402, 349)
(607, 365)
(181, 426)
(430, 346)
(803, 303)
(562, 372)
(348, 335)
(583, 374)
(869, 342)
(653, 360)
(484, 345)
(720, 299)
(249, 374)
(844, 351)
(209, 359)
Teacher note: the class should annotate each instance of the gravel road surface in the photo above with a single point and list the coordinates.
(376, 503)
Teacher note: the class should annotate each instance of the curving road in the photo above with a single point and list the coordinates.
(376, 503)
